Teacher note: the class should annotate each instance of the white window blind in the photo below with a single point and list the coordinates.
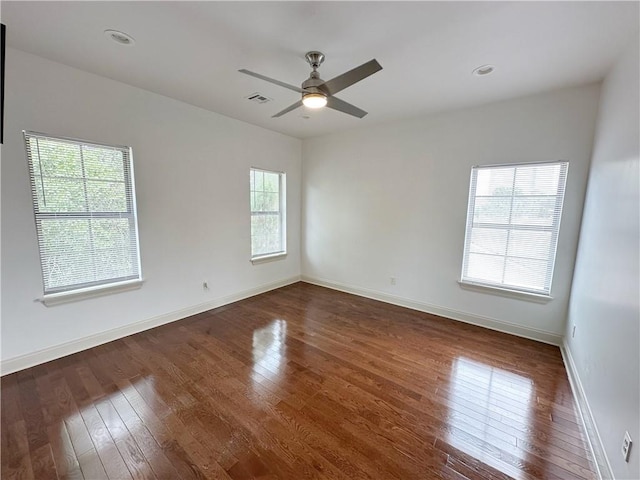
(513, 220)
(84, 205)
(267, 190)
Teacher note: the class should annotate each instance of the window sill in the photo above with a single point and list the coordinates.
(505, 292)
(268, 258)
(84, 293)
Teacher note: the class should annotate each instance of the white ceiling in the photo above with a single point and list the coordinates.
(191, 51)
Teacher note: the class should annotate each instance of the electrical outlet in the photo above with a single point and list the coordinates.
(205, 285)
(392, 280)
(626, 446)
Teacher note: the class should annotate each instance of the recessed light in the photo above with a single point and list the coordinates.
(120, 37)
(483, 70)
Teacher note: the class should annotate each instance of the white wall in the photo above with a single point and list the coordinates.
(606, 288)
(192, 179)
(392, 200)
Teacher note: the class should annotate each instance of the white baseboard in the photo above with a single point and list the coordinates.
(491, 323)
(590, 427)
(21, 362)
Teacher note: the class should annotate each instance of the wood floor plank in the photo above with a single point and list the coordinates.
(124, 442)
(64, 456)
(104, 444)
(43, 463)
(202, 460)
(16, 459)
(298, 383)
(32, 412)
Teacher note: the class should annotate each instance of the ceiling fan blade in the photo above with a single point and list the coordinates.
(288, 109)
(333, 86)
(272, 80)
(342, 106)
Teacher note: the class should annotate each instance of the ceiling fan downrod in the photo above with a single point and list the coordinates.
(315, 59)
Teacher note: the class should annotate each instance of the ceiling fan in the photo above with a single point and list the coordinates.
(316, 93)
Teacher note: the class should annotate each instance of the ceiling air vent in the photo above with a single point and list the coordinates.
(258, 98)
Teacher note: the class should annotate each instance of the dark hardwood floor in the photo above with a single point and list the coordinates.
(301, 382)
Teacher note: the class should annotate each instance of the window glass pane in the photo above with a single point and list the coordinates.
(112, 241)
(537, 180)
(271, 225)
(259, 201)
(59, 159)
(72, 182)
(32, 146)
(485, 267)
(495, 181)
(529, 244)
(522, 272)
(271, 182)
(66, 245)
(265, 225)
(103, 164)
(271, 202)
(39, 197)
(487, 240)
(492, 210)
(259, 181)
(273, 243)
(267, 216)
(259, 244)
(61, 195)
(511, 239)
(533, 210)
(257, 224)
(106, 196)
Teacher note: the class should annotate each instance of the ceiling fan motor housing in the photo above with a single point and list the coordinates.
(312, 83)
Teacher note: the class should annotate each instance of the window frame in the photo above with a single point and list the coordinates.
(263, 257)
(78, 291)
(509, 290)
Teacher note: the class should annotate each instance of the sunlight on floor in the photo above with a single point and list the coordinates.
(269, 350)
(491, 398)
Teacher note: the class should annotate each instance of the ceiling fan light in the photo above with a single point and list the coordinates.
(314, 100)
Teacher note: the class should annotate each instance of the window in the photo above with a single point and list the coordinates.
(513, 221)
(85, 214)
(268, 225)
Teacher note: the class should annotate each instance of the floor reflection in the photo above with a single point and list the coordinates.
(482, 399)
(104, 427)
(269, 350)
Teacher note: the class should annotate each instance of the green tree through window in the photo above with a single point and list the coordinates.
(513, 222)
(266, 191)
(84, 208)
